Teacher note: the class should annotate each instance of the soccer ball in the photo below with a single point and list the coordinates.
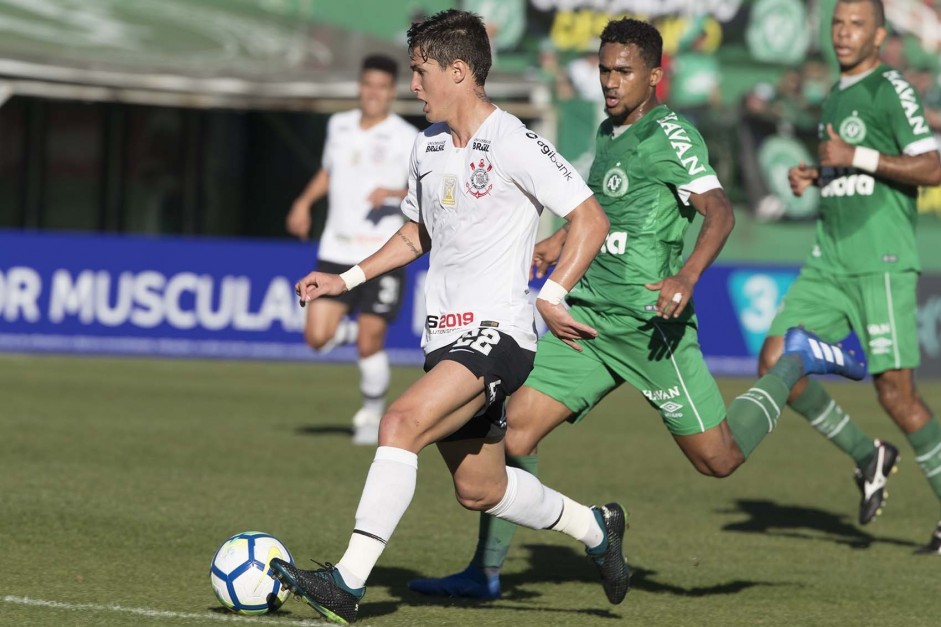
(239, 573)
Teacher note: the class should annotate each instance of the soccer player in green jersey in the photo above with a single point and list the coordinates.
(652, 176)
(876, 149)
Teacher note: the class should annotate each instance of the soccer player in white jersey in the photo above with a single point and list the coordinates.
(477, 184)
(364, 172)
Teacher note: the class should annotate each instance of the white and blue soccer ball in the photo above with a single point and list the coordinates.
(239, 573)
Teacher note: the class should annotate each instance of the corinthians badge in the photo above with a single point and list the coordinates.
(479, 182)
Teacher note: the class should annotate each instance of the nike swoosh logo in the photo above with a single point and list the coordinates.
(421, 176)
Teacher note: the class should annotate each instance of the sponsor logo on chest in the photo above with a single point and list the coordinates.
(615, 243)
(852, 185)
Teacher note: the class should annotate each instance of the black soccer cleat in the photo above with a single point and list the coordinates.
(934, 545)
(322, 589)
(873, 478)
(608, 557)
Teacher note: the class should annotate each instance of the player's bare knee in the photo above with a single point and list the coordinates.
(718, 466)
(892, 395)
(315, 340)
(769, 355)
(397, 428)
(520, 442)
(477, 498)
(367, 346)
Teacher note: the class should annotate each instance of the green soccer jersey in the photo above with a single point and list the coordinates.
(643, 178)
(867, 224)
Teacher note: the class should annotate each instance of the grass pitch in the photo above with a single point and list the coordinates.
(119, 478)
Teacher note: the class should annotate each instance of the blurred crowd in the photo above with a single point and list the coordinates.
(755, 132)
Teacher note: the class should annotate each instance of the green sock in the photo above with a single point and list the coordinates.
(495, 535)
(927, 444)
(830, 420)
(754, 414)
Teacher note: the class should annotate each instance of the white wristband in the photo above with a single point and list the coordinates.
(866, 159)
(353, 277)
(552, 292)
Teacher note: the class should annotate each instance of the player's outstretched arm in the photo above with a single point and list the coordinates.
(587, 229)
(298, 220)
(923, 169)
(408, 244)
(718, 221)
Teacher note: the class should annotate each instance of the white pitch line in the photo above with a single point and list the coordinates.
(149, 613)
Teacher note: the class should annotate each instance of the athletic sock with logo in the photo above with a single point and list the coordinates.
(927, 444)
(754, 414)
(824, 415)
(495, 535)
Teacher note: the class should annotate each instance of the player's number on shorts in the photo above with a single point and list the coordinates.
(388, 290)
(481, 340)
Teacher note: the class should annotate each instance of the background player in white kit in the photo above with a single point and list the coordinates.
(478, 182)
(364, 171)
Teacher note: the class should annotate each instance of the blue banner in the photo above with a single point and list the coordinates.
(168, 296)
(195, 297)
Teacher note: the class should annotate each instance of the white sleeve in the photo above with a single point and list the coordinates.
(921, 146)
(408, 137)
(698, 186)
(326, 162)
(534, 164)
(410, 203)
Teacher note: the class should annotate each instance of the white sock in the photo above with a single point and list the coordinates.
(390, 486)
(580, 523)
(374, 381)
(529, 503)
(346, 332)
(352, 330)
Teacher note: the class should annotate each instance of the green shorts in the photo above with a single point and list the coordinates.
(661, 359)
(880, 308)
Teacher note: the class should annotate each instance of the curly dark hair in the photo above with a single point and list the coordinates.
(450, 35)
(643, 35)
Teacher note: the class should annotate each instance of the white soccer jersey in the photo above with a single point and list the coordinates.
(358, 162)
(481, 204)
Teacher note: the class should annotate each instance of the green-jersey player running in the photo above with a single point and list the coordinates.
(652, 176)
(876, 149)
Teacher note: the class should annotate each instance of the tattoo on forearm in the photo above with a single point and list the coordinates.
(410, 245)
